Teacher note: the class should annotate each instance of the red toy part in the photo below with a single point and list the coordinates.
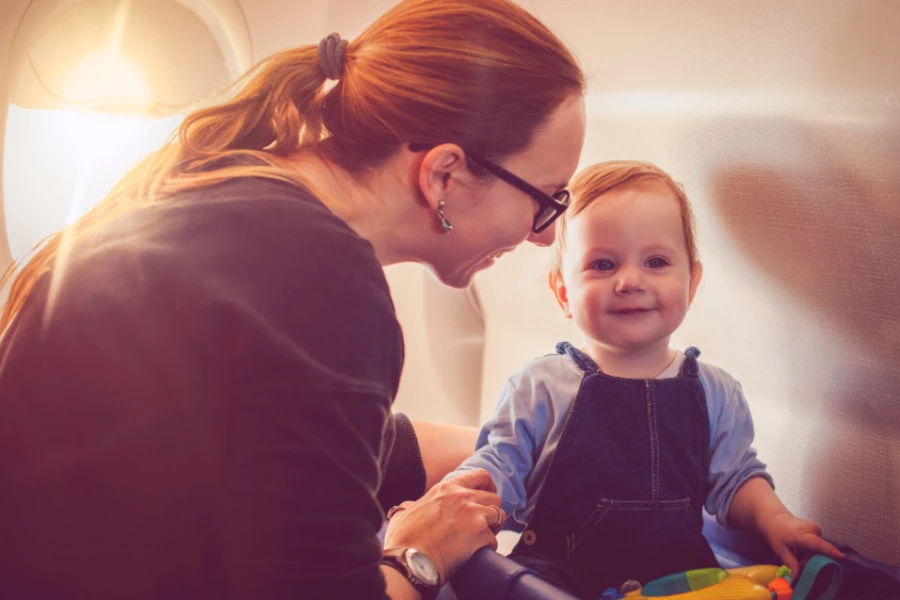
(781, 589)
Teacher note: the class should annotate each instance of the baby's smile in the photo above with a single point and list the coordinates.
(627, 312)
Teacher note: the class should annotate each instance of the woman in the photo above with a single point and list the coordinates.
(196, 377)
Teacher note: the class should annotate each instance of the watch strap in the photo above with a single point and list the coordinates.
(396, 558)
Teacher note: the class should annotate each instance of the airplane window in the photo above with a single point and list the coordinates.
(85, 108)
(81, 157)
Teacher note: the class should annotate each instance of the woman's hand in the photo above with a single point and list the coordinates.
(450, 522)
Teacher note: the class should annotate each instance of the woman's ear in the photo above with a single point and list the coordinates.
(696, 275)
(559, 290)
(437, 170)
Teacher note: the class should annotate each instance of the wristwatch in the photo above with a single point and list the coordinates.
(417, 568)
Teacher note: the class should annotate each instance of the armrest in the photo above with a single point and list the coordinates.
(490, 576)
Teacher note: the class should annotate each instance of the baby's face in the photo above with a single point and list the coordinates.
(627, 280)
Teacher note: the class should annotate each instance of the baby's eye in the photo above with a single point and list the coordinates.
(657, 263)
(604, 264)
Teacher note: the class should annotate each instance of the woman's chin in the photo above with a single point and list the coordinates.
(459, 279)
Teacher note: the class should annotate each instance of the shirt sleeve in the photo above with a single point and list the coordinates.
(732, 458)
(404, 475)
(509, 443)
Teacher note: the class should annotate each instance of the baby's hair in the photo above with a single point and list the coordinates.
(598, 179)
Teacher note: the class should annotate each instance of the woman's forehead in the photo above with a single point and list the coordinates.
(552, 157)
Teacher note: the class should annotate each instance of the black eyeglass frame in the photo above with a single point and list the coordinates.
(558, 202)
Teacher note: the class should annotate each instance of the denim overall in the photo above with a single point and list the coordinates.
(625, 489)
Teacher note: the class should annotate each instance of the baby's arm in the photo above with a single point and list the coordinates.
(506, 446)
(741, 493)
(756, 507)
(733, 460)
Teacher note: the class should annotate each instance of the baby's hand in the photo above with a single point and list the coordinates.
(794, 539)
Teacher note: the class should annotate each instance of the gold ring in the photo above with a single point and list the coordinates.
(499, 517)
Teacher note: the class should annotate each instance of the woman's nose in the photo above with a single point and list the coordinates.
(544, 238)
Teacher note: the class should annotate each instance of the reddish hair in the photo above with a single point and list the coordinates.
(483, 74)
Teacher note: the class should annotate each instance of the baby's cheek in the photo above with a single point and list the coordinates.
(588, 305)
(676, 307)
(588, 313)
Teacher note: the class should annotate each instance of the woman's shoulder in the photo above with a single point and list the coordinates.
(245, 227)
(280, 236)
(259, 241)
(256, 262)
(266, 207)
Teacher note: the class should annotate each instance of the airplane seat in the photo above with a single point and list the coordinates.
(782, 121)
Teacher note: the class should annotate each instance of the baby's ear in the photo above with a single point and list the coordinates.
(696, 275)
(559, 290)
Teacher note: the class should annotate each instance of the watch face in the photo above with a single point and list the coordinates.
(421, 567)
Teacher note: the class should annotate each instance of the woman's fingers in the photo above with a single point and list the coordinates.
(492, 544)
(489, 507)
(495, 518)
(477, 487)
(482, 497)
(452, 520)
(392, 512)
(476, 479)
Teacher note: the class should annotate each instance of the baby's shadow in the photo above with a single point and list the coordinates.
(818, 210)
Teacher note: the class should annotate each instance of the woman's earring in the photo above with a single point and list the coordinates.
(440, 213)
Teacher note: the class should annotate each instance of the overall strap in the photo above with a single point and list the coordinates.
(581, 360)
(689, 366)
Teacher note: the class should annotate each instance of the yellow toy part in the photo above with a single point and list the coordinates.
(821, 579)
(759, 582)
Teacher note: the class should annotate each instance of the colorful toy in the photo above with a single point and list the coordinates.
(759, 582)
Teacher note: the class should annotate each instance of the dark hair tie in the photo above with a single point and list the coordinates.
(331, 55)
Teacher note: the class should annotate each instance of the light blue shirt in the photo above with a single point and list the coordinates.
(517, 444)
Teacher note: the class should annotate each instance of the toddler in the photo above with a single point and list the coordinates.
(605, 455)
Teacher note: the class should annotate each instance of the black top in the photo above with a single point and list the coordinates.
(195, 405)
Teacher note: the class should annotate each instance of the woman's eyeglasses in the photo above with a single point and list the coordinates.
(550, 206)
